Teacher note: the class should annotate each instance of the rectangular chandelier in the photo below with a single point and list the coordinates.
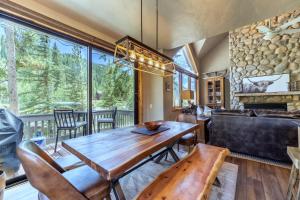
(129, 51)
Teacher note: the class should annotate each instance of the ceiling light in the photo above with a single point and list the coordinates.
(142, 57)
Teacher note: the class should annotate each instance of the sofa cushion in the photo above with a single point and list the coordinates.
(277, 114)
(248, 113)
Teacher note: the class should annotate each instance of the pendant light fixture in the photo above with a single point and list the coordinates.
(134, 53)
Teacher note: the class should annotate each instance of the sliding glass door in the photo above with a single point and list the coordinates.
(42, 71)
(39, 73)
(113, 88)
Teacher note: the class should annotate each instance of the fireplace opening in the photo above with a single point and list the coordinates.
(269, 106)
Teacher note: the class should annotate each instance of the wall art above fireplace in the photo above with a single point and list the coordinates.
(264, 84)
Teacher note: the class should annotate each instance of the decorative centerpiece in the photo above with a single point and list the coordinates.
(153, 125)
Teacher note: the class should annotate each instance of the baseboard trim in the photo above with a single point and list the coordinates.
(261, 160)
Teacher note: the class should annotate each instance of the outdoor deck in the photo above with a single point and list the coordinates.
(46, 124)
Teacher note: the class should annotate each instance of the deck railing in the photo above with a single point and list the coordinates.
(45, 123)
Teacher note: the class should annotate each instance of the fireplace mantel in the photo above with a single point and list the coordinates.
(289, 93)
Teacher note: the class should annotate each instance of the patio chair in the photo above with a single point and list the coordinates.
(111, 120)
(65, 120)
(53, 182)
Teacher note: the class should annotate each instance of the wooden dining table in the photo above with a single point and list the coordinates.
(115, 153)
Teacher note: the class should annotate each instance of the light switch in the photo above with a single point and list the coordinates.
(150, 105)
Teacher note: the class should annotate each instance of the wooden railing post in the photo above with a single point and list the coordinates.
(47, 125)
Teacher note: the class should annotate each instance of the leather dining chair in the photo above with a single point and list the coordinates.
(189, 139)
(54, 183)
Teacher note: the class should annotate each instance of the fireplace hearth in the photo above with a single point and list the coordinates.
(269, 106)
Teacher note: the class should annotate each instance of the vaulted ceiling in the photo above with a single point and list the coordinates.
(180, 21)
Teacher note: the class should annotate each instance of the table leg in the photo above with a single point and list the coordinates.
(118, 192)
(169, 150)
(217, 182)
(292, 181)
(173, 154)
(160, 157)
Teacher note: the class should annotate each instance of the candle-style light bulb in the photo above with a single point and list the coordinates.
(132, 56)
(141, 58)
(157, 64)
(150, 62)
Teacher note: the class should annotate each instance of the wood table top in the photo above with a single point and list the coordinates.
(113, 152)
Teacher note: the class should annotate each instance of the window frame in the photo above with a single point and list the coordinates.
(90, 46)
(190, 75)
(188, 56)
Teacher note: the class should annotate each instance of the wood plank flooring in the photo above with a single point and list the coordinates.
(259, 181)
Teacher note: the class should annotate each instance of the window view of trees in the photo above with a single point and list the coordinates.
(176, 90)
(40, 72)
(183, 80)
(112, 85)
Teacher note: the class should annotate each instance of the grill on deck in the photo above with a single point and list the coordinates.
(11, 133)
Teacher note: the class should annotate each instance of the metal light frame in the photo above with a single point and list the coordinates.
(137, 55)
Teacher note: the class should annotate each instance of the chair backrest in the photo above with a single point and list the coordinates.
(114, 113)
(44, 175)
(64, 118)
(188, 118)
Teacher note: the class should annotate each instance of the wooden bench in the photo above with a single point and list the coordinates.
(190, 178)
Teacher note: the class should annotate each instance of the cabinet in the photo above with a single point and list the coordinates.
(215, 93)
(202, 131)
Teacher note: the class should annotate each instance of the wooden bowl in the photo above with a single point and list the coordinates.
(152, 126)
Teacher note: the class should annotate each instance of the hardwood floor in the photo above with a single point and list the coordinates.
(259, 181)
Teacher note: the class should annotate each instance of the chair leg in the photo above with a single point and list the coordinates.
(113, 125)
(84, 130)
(178, 147)
(98, 127)
(94, 127)
(70, 133)
(75, 131)
(56, 140)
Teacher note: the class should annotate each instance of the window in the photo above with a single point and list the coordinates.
(184, 79)
(182, 82)
(181, 59)
(113, 86)
(176, 90)
(194, 88)
(41, 70)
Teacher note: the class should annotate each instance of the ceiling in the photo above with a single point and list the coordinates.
(202, 47)
(180, 21)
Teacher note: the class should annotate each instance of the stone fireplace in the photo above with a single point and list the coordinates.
(251, 56)
(291, 99)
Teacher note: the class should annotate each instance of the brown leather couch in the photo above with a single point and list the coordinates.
(260, 133)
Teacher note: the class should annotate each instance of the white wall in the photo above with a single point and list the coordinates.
(153, 100)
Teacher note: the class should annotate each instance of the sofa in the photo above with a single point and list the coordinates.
(260, 133)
